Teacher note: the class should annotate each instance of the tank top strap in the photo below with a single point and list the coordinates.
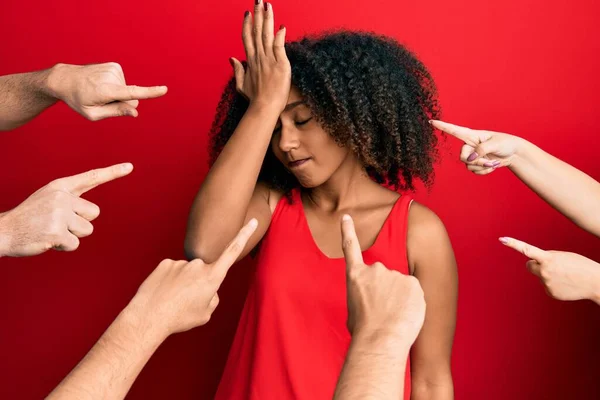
(394, 232)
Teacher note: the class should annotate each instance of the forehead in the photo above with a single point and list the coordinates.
(295, 95)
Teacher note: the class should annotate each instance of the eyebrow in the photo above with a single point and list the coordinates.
(288, 107)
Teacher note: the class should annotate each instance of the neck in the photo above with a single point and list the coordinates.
(345, 189)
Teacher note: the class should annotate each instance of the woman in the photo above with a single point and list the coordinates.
(297, 143)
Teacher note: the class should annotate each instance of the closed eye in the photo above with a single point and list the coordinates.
(298, 123)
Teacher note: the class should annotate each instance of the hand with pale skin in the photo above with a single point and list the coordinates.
(95, 91)
(566, 276)
(483, 151)
(99, 91)
(55, 216)
(176, 297)
(266, 80)
(379, 298)
(386, 311)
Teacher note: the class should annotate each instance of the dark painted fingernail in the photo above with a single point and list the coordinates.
(246, 14)
(472, 157)
(231, 62)
(266, 6)
(257, 2)
(282, 27)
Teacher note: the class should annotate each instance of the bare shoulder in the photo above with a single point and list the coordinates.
(423, 222)
(427, 237)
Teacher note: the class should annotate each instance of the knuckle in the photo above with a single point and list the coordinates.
(116, 66)
(92, 176)
(235, 247)
(94, 211)
(91, 115)
(347, 243)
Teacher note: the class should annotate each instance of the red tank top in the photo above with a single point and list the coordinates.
(291, 341)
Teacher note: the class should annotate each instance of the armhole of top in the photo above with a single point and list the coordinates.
(275, 199)
(406, 217)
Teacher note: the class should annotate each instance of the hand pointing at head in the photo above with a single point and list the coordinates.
(483, 151)
(55, 217)
(99, 91)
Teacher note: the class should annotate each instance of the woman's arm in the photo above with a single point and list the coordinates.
(432, 259)
(229, 196)
(570, 191)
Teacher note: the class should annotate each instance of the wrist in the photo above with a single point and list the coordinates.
(523, 149)
(4, 235)
(595, 297)
(382, 339)
(265, 108)
(56, 84)
(144, 321)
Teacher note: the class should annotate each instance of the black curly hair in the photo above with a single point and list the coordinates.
(368, 92)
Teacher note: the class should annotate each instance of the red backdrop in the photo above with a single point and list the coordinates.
(529, 67)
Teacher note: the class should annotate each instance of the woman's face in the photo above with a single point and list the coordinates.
(303, 147)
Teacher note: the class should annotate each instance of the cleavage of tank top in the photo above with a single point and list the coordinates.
(292, 269)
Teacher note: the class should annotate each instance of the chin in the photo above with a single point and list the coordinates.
(310, 182)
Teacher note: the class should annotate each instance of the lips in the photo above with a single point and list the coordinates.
(297, 163)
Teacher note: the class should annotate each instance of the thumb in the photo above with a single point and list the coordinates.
(238, 72)
(116, 109)
(484, 145)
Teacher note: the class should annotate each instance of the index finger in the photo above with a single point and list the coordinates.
(526, 249)
(132, 92)
(235, 248)
(81, 183)
(350, 244)
(460, 132)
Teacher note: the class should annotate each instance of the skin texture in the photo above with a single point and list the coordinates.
(55, 217)
(566, 276)
(268, 118)
(386, 310)
(176, 297)
(95, 91)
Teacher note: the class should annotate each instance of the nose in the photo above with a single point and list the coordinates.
(288, 139)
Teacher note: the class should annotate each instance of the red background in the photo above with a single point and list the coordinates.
(528, 67)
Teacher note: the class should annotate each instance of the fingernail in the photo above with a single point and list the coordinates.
(503, 240)
(231, 62)
(253, 223)
(430, 121)
(246, 13)
(489, 164)
(346, 217)
(127, 167)
(267, 5)
(257, 2)
(472, 157)
(282, 27)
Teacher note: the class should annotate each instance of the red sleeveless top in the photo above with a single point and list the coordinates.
(291, 341)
